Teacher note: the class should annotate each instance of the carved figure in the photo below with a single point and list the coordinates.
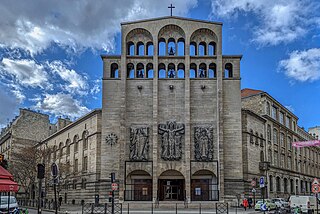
(139, 143)
(203, 143)
(171, 137)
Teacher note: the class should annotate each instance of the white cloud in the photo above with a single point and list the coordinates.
(8, 108)
(61, 105)
(33, 26)
(75, 82)
(302, 65)
(96, 87)
(25, 72)
(281, 21)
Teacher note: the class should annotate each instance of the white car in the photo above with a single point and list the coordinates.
(280, 202)
(13, 205)
(307, 204)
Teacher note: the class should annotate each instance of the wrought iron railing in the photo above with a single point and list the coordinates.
(137, 195)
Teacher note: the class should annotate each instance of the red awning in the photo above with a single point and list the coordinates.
(7, 185)
(4, 174)
(6, 181)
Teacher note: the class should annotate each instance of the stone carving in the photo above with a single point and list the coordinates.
(171, 140)
(203, 143)
(139, 143)
(112, 139)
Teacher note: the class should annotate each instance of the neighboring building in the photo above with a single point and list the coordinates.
(172, 99)
(268, 131)
(76, 149)
(315, 131)
(27, 129)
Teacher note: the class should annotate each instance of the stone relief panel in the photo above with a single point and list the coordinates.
(171, 140)
(112, 139)
(203, 143)
(139, 143)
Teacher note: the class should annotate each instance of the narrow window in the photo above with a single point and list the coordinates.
(228, 72)
(171, 47)
(212, 70)
(193, 49)
(140, 49)
(181, 47)
(130, 48)
(212, 49)
(114, 71)
(162, 71)
(150, 70)
(171, 71)
(162, 47)
(202, 72)
(130, 70)
(140, 71)
(202, 49)
(193, 70)
(181, 70)
(150, 49)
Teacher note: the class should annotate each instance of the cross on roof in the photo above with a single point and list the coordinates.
(171, 7)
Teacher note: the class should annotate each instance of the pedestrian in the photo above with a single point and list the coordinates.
(250, 202)
(245, 204)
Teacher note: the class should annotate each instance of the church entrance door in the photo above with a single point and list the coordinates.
(171, 189)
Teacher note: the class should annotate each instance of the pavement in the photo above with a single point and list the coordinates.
(77, 209)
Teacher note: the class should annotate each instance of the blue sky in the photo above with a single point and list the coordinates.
(50, 51)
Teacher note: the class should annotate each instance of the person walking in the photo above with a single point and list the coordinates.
(245, 204)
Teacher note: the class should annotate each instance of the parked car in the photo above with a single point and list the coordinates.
(307, 204)
(270, 205)
(13, 205)
(280, 202)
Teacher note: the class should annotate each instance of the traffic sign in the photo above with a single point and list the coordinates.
(315, 181)
(54, 170)
(263, 207)
(315, 188)
(253, 190)
(114, 186)
(261, 182)
(253, 183)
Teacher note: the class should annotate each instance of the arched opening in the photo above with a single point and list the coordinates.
(278, 185)
(150, 49)
(171, 47)
(181, 47)
(171, 71)
(193, 49)
(181, 70)
(171, 185)
(140, 71)
(85, 139)
(291, 186)
(202, 72)
(193, 70)
(150, 70)
(138, 186)
(202, 49)
(68, 147)
(140, 49)
(212, 49)
(285, 185)
(162, 71)
(204, 186)
(212, 72)
(114, 71)
(76, 143)
(162, 47)
(130, 70)
(228, 73)
(60, 149)
(130, 48)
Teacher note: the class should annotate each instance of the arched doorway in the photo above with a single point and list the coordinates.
(138, 186)
(204, 186)
(171, 186)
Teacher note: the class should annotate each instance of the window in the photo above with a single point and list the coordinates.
(261, 156)
(228, 72)
(130, 48)
(193, 70)
(281, 118)
(275, 136)
(85, 163)
(202, 49)
(257, 138)
(212, 49)
(271, 183)
(212, 72)
(261, 140)
(180, 47)
(289, 163)
(68, 147)
(193, 49)
(181, 70)
(76, 143)
(285, 185)
(140, 49)
(114, 71)
(276, 158)
(282, 140)
(278, 184)
(251, 136)
(288, 122)
(274, 112)
(162, 71)
(282, 157)
(75, 169)
(150, 49)
(289, 144)
(291, 186)
(162, 47)
(270, 156)
(269, 133)
(60, 149)
(85, 140)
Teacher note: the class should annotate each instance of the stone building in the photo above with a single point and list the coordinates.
(315, 131)
(268, 130)
(171, 113)
(76, 149)
(27, 129)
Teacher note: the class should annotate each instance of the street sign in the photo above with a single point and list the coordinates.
(261, 182)
(315, 188)
(263, 207)
(54, 170)
(253, 190)
(114, 186)
(315, 181)
(253, 183)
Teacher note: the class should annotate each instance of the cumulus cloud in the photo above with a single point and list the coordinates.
(25, 72)
(302, 65)
(281, 21)
(8, 107)
(75, 83)
(61, 104)
(33, 26)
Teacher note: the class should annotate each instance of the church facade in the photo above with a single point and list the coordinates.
(171, 113)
